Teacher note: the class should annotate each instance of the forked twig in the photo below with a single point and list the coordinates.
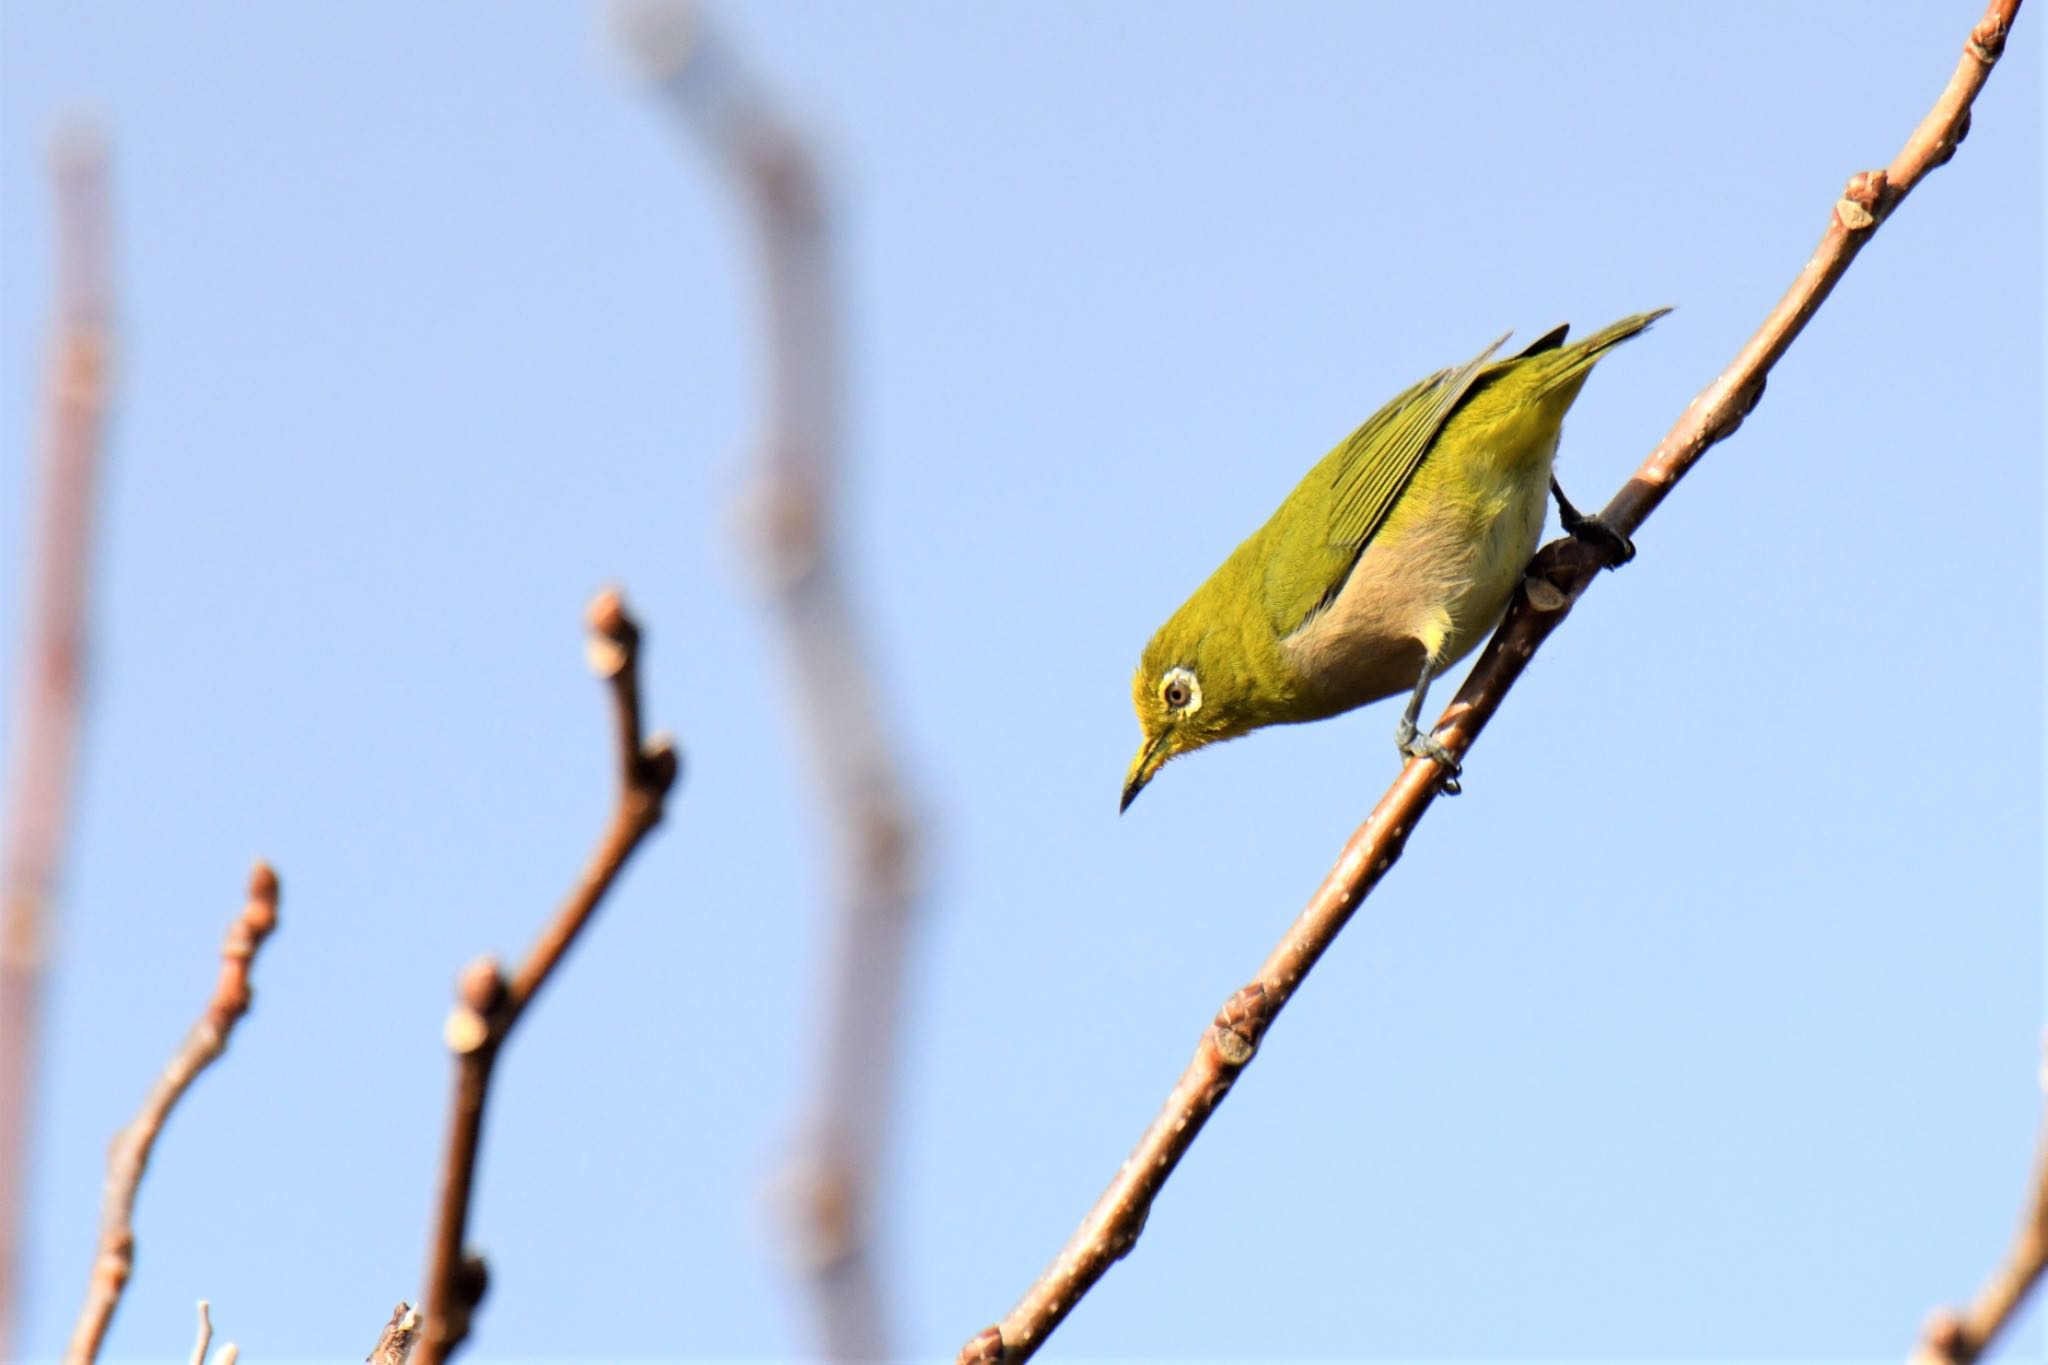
(129, 1157)
(793, 512)
(1560, 573)
(488, 1004)
(51, 660)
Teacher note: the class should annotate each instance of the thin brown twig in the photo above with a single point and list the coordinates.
(129, 1157)
(488, 1004)
(1961, 1336)
(394, 1345)
(794, 513)
(51, 660)
(1560, 572)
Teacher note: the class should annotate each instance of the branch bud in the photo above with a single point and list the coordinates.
(613, 635)
(1857, 209)
(985, 1349)
(1240, 1024)
(479, 994)
(660, 764)
(1987, 40)
(1544, 595)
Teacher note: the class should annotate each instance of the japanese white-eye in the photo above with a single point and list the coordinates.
(1395, 556)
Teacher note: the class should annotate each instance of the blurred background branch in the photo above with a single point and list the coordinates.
(228, 1354)
(128, 1160)
(51, 663)
(792, 513)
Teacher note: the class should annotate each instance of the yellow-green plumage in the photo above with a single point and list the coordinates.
(1400, 549)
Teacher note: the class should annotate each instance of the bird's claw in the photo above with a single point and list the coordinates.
(1613, 548)
(1414, 744)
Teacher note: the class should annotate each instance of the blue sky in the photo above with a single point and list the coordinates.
(1706, 1024)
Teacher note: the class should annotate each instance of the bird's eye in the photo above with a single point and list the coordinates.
(1179, 690)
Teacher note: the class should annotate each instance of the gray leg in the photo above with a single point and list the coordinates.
(1614, 548)
(1413, 743)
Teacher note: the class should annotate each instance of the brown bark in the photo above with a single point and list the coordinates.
(129, 1157)
(1960, 1336)
(488, 1003)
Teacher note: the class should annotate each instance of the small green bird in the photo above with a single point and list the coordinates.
(1385, 566)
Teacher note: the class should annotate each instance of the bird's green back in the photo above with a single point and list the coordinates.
(1311, 543)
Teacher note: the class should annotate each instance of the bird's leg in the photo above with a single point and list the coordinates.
(1614, 548)
(1413, 743)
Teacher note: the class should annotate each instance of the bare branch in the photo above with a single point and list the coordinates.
(1559, 574)
(394, 1347)
(228, 1353)
(1958, 1337)
(129, 1157)
(205, 1335)
(793, 515)
(488, 1004)
(51, 659)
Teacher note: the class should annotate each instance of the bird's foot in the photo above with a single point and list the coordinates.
(1613, 548)
(1414, 744)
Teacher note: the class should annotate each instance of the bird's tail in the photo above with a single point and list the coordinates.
(1568, 364)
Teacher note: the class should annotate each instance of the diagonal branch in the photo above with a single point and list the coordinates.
(1953, 1337)
(51, 663)
(488, 1003)
(794, 517)
(129, 1157)
(1560, 572)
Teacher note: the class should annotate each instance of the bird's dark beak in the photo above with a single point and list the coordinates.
(1149, 760)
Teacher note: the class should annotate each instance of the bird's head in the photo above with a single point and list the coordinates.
(1192, 688)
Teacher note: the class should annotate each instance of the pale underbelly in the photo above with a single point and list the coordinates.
(1435, 591)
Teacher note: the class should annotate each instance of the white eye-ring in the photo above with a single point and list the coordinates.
(1180, 690)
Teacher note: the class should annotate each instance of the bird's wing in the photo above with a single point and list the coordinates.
(1365, 476)
(1375, 465)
